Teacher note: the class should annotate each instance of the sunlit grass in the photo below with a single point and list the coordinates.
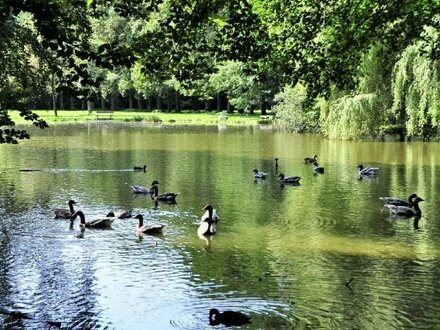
(173, 118)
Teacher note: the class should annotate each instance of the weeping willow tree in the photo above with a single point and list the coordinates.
(354, 117)
(360, 114)
(416, 87)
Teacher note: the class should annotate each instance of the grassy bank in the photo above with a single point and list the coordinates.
(183, 118)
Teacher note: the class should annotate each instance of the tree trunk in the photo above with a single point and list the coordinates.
(139, 102)
(113, 99)
(263, 105)
(102, 103)
(130, 99)
(61, 100)
(90, 106)
(159, 103)
(54, 96)
(72, 102)
(168, 101)
(219, 107)
(229, 108)
(177, 98)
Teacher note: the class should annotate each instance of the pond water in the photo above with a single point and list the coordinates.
(322, 255)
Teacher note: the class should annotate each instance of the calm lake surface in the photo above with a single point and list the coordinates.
(322, 255)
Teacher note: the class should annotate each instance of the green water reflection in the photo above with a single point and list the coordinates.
(282, 255)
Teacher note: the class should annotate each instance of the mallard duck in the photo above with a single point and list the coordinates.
(227, 318)
(65, 213)
(398, 201)
(147, 229)
(140, 168)
(289, 179)
(259, 175)
(366, 171)
(166, 197)
(210, 213)
(317, 168)
(310, 160)
(406, 211)
(97, 223)
(122, 214)
(144, 190)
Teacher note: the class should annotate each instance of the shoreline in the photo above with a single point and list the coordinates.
(155, 117)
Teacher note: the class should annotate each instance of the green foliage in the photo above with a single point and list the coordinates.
(416, 87)
(12, 135)
(353, 117)
(292, 112)
(234, 79)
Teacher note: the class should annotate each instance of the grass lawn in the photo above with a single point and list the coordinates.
(188, 118)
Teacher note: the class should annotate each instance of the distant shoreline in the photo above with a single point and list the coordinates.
(156, 117)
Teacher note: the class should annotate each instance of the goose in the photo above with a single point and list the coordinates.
(317, 168)
(207, 227)
(259, 175)
(65, 213)
(398, 201)
(366, 171)
(97, 223)
(140, 168)
(310, 160)
(210, 213)
(289, 179)
(166, 197)
(227, 318)
(406, 211)
(122, 214)
(147, 229)
(142, 189)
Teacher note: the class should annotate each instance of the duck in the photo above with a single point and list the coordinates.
(97, 223)
(140, 168)
(227, 318)
(122, 214)
(211, 212)
(147, 229)
(310, 160)
(65, 213)
(259, 175)
(289, 179)
(398, 201)
(366, 171)
(317, 168)
(144, 190)
(166, 197)
(406, 211)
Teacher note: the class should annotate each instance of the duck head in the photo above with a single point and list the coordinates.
(140, 219)
(209, 208)
(411, 197)
(417, 199)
